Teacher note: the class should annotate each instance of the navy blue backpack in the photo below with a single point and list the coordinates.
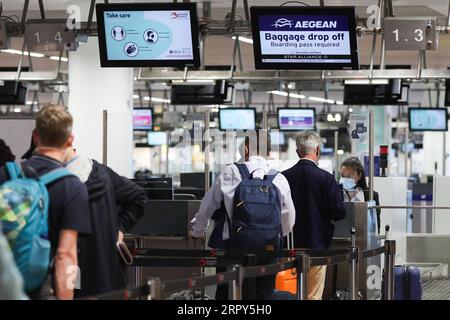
(256, 220)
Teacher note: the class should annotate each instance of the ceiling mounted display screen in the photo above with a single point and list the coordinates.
(148, 35)
(310, 38)
(237, 119)
(143, 119)
(290, 119)
(427, 119)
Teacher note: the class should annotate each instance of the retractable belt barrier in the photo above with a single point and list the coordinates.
(215, 258)
(127, 294)
(300, 259)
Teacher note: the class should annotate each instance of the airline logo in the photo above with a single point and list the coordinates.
(282, 22)
(179, 15)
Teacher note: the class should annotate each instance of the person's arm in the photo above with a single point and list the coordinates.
(335, 199)
(66, 264)
(11, 283)
(287, 205)
(210, 203)
(75, 222)
(131, 199)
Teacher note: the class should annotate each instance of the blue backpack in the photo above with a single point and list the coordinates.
(257, 213)
(24, 216)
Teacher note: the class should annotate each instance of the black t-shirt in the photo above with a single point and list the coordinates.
(68, 199)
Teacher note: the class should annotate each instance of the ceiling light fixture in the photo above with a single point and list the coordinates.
(301, 96)
(243, 39)
(25, 53)
(154, 99)
(64, 59)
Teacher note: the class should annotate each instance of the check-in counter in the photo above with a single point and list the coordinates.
(364, 219)
(165, 224)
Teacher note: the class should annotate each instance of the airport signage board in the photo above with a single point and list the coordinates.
(410, 33)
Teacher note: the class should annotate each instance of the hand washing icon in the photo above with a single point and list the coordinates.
(131, 49)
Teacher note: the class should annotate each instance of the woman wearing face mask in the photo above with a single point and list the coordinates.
(354, 183)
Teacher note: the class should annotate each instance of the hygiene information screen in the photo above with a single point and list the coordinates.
(237, 119)
(148, 35)
(156, 138)
(142, 119)
(427, 119)
(296, 119)
(314, 38)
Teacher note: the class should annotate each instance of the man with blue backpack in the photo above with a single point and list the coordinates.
(258, 208)
(44, 208)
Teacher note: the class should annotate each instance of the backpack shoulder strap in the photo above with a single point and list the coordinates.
(13, 170)
(243, 170)
(55, 175)
(271, 175)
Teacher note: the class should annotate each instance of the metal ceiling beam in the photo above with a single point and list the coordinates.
(260, 75)
(41, 9)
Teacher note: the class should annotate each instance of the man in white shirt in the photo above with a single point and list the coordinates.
(222, 191)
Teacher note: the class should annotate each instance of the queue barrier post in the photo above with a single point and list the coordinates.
(235, 289)
(303, 262)
(249, 286)
(354, 268)
(389, 264)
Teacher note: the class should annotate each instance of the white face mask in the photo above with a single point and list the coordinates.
(348, 184)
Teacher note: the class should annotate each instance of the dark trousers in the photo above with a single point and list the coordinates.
(264, 286)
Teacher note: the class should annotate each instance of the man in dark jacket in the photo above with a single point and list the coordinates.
(318, 201)
(116, 203)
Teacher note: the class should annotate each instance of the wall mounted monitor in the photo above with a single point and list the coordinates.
(296, 119)
(188, 93)
(148, 35)
(277, 138)
(143, 119)
(156, 138)
(312, 38)
(237, 119)
(427, 119)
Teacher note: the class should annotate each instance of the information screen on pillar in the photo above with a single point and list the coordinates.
(277, 138)
(290, 119)
(312, 38)
(237, 119)
(428, 119)
(143, 119)
(156, 138)
(148, 35)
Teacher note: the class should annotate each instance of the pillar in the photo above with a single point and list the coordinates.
(93, 89)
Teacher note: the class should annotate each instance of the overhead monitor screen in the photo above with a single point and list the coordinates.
(296, 119)
(277, 138)
(156, 138)
(314, 38)
(148, 35)
(427, 119)
(142, 119)
(237, 119)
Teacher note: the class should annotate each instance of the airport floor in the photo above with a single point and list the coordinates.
(436, 289)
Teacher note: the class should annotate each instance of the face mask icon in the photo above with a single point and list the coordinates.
(151, 36)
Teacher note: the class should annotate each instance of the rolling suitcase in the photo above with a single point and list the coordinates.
(287, 280)
(407, 285)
